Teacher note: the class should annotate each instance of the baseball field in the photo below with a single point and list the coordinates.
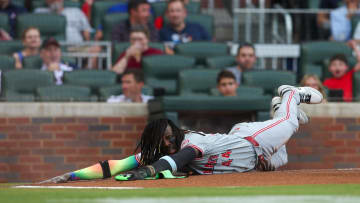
(281, 186)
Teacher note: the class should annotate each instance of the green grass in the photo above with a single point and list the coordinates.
(13, 195)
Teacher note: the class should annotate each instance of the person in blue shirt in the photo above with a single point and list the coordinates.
(12, 11)
(178, 30)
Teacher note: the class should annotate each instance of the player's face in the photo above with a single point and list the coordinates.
(142, 13)
(176, 13)
(130, 87)
(246, 58)
(312, 82)
(338, 68)
(227, 87)
(169, 141)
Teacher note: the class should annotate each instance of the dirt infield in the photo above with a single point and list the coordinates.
(291, 177)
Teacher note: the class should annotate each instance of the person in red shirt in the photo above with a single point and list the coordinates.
(342, 77)
(139, 48)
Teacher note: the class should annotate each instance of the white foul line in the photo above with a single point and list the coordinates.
(77, 187)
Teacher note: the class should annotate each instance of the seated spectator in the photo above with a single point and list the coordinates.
(32, 42)
(323, 19)
(311, 80)
(132, 83)
(139, 48)
(226, 83)
(139, 14)
(12, 11)
(178, 30)
(50, 54)
(342, 77)
(245, 59)
(77, 26)
(340, 19)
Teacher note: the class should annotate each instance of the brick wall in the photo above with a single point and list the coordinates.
(34, 148)
(324, 143)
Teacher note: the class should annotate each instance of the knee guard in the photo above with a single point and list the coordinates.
(105, 169)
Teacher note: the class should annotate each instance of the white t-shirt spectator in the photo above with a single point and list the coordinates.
(58, 74)
(122, 98)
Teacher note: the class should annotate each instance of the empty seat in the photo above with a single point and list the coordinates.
(202, 50)
(10, 47)
(220, 62)
(269, 80)
(106, 92)
(197, 81)
(162, 71)
(241, 91)
(98, 11)
(207, 21)
(64, 93)
(20, 85)
(6, 63)
(4, 22)
(35, 62)
(90, 78)
(50, 25)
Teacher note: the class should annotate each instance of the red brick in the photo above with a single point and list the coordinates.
(334, 127)
(88, 151)
(135, 120)
(24, 120)
(52, 127)
(30, 144)
(43, 151)
(353, 143)
(128, 151)
(42, 167)
(53, 144)
(31, 176)
(132, 136)
(88, 120)
(321, 135)
(30, 159)
(334, 143)
(19, 167)
(300, 151)
(345, 150)
(3, 120)
(123, 144)
(66, 151)
(19, 136)
(17, 152)
(111, 135)
(334, 158)
(8, 144)
(4, 167)
(111, 120)
(65, 120)
(76, 159)
(77, 127)
(322, 120)
(65, 136)
(7, 128)
(353, 158)
(140, 127)
(358, 120)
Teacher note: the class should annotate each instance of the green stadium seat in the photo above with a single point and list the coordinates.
(50, 25)
(354, 22)
(109, 21)
(161, 71)
(120, 47)
(220, 62)
(35, 62)
(6, 63)
(356, 86)
(207, 21)
(202, 50)
(67, 3)
(269, 80)
(241, 91)
(94, 79)
(4, 22)
(314, 53)
(64, 93)
(197, 81)
(106, 92)
(10, 47)
(159, 8)
(20, 85)
(98, 11)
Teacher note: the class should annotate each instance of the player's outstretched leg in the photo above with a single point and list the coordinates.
(307, 95)
(301, 115)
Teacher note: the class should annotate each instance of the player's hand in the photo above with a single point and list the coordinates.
(58, 179)
(265, 165)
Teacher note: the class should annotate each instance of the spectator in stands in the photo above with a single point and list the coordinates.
(178, 30)
(132, 83)
(32, 42)
(4, 36)
(245, 59)
(226, 83)
(340, 19)
(323, 19)
(50, 54)
(77, 26)
(12, 11)
(139, 48)
(311, 80)
(139, 14)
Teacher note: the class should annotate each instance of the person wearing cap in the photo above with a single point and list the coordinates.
(50, 54)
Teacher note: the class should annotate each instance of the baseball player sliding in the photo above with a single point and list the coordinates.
(248, 146)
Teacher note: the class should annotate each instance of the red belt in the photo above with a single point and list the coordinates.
(256, 144)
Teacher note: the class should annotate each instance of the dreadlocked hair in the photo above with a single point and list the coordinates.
(152, 137)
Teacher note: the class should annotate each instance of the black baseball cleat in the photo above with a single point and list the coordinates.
(308, 95)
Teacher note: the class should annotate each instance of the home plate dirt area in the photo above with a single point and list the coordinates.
(285, 177)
